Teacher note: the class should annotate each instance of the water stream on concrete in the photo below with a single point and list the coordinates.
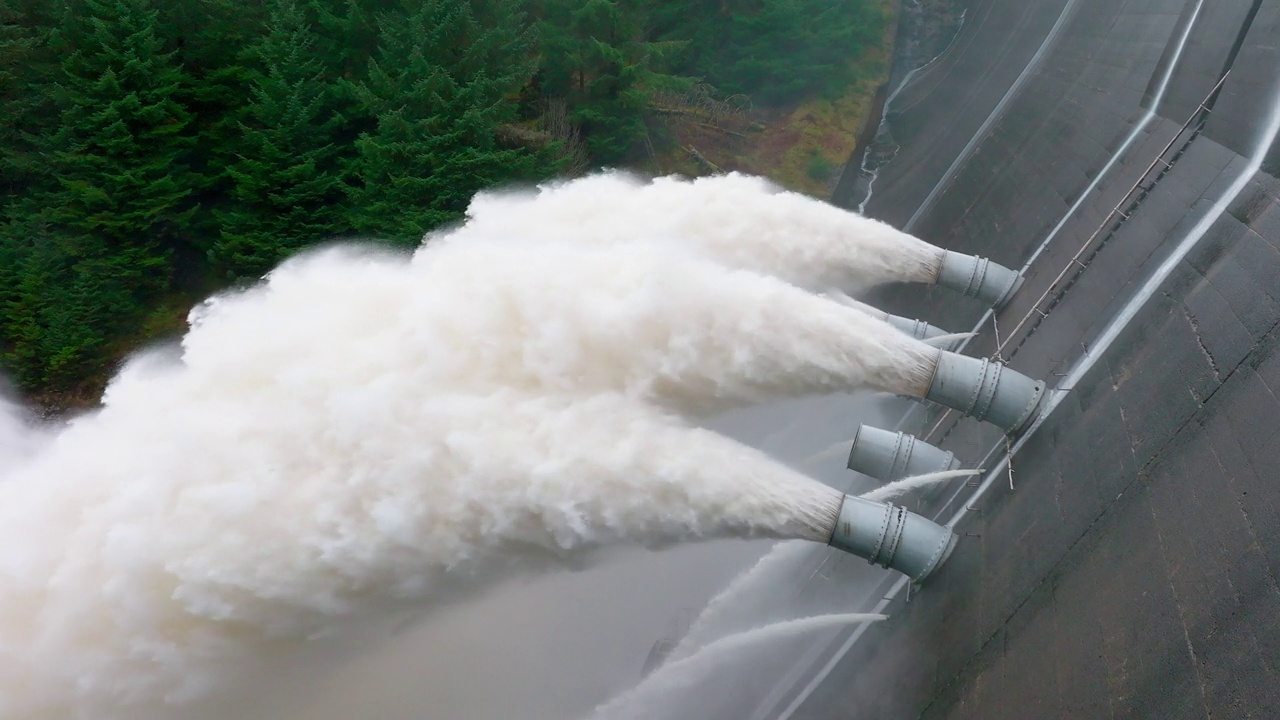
(663, 694)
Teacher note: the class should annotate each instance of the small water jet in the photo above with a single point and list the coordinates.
(682, 673)
(918, 329)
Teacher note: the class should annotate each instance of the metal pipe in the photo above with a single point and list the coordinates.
(978, 277)
(892, 537)
(986, 391)
(889, 456)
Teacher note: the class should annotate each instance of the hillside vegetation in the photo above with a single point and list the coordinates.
(152, 152)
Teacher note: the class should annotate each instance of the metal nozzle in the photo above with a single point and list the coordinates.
(918, 329)
(892, 537)
(986, 391)
(980, 278)
(888, 456)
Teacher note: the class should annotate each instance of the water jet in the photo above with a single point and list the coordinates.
(918, 329)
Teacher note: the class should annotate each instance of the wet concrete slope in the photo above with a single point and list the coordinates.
(1129, 566)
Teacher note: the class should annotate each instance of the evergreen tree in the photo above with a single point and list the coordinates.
(64, 310)
(791, 47)
(346, 42)
(211, 35)
(121, 204)
(348, 32)
(444, 80)
(287, 189)
(774, 50)
(121, 153)
(25, 65)
(595, 54)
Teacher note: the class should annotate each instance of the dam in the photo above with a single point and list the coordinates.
(1121, 560)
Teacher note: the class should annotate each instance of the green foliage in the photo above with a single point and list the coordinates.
(595, 54)
(442, 83)
(774, 50)
(25, 67)
(151, 150)
(819, 168)
(286, 182)
(102, 251)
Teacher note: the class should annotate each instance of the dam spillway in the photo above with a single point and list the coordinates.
(1125, 565)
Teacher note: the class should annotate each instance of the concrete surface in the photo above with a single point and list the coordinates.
(1132, 571)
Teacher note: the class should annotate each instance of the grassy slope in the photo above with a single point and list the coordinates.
(803, 146)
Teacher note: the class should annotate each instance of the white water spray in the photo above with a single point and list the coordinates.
(645, 702)
(20, 439)
(898, 488)
(162, 556)
(556, 317)
(740, 221)
(366, 434)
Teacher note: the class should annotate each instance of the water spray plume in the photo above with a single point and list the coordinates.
(732, 609)
(20, 440)
(949, 341)
(560, 317)
(737, 220)
(367, 433)
(159, 562)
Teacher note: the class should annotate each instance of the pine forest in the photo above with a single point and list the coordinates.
(154, 152)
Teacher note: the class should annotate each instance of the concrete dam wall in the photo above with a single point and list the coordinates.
(1125, 561)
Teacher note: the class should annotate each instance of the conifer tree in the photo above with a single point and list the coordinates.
(595, 54)
(62, 311)
(286, 182)
(25, 66)
(121, 201)
(346, 42)
(787, 48)
(444, 80)
(121, 153)
(212, 35)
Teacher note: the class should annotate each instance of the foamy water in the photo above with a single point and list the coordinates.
(20, 439)
(368, 434)
(558, 317)
(741, 221)
(160, 558)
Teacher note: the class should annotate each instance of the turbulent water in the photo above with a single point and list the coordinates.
(742, 221)
(367, 433)
(19, 439)
(634, 318)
